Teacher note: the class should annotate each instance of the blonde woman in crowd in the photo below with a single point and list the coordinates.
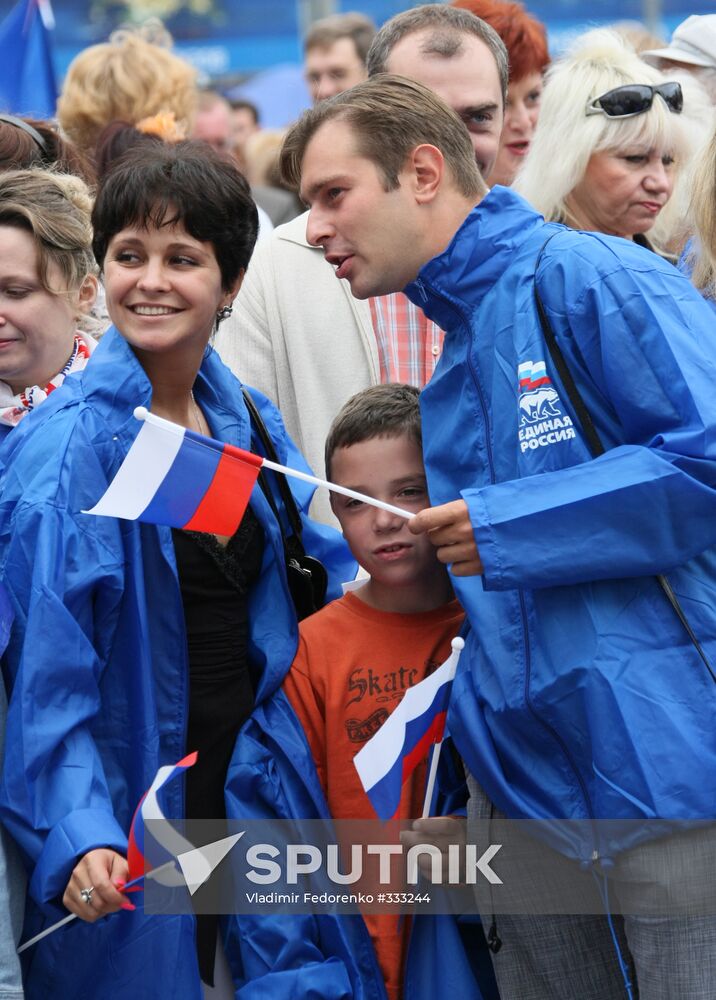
(125, 79)
(610, 142)
(699, 258)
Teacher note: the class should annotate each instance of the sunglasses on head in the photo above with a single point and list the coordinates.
(635, 99)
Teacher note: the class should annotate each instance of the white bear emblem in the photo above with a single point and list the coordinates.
(539, 404)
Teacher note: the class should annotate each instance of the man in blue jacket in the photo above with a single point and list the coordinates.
(589, 682)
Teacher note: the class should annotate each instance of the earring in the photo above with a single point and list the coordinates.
(224, 313)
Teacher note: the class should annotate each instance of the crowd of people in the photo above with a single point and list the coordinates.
(473, 282)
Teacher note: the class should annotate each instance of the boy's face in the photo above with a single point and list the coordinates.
(389, 469)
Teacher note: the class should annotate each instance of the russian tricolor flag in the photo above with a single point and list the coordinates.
(173, 476)
(532, 375)
(389, 758)
(153, 846)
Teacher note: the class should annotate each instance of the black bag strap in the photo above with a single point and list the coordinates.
(565, 375)
(594, 442)
(292, 543)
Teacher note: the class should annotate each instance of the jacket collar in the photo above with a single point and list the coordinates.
(295, 232)
(479, 253)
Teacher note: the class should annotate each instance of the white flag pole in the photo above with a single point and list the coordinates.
(334, 488)
(142, 413)
(55, 927)
(432, 777)
(458, 644)
(73, 916)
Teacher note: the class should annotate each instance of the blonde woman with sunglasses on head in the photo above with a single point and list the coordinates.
(610, 144)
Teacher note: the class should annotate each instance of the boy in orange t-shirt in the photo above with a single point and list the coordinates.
(358, 656)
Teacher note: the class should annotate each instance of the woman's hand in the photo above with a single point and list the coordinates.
(102, 870)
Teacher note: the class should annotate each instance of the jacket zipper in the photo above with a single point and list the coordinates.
(488, 445)
(523, 611)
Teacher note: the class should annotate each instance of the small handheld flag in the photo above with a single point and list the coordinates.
(388, 759)
(171, 475)
(159, 842)
(174, 476)
(166, 837)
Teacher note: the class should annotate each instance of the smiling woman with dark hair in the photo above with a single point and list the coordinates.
(182, 186)
(135, 644)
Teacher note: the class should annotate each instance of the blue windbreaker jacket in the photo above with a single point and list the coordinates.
(98, 661)
(11, 876)
(327, 956)
(580, 694)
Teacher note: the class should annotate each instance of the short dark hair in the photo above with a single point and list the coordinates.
(115, 140)
(326, 32)
(186, 182)
(241, 104)
(389, 411)
(447, 25)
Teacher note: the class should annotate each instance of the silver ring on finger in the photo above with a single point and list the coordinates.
(86, 895)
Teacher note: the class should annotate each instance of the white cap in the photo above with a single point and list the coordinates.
(693, 43)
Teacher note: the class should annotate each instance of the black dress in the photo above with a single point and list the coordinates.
(215, 582)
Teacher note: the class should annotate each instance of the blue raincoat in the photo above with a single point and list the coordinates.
(98, 661)
(11, 875)
(327, 956)
(579, 694)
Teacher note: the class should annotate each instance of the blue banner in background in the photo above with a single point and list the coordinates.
(27, 76)
(239, 37)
